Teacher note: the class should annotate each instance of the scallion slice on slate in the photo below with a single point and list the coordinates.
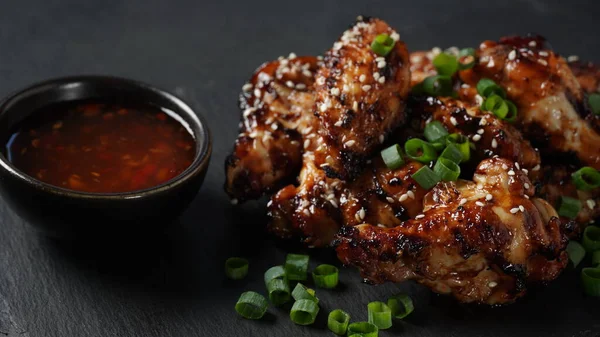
(401, 305)
(279, 291)
(380, 315)
(301, 292)
(591, 281)
(364, 329)
(296, 266)
(276, 272)
(304, 312)
(591, 239)
(236, 268)
(338, 321)
(251, 305)
(326, 276)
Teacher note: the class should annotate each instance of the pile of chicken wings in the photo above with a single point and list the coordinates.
(311, 133)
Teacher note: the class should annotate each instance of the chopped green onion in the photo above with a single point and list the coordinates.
(591, 281)
(401, 305)
(251, 305)
(446, 169)
(437, 85)
(596, 259)
(338, 321)
(434, 131)
(420, 150)
(364, 329)
(586, 178)
(301, 292)
(439, 144)
(326, 276)
(487, 87)
(569, 207)
(382, 44)
(576, 252)
(236, 268)
(392, 157)
(466, 58)
(445, 64)
(594, 101)
(502, 108)
(591, 239)
(425, 177)
(276, 272)
(462, 143)
(452, 153)
(296, 266)
(304, 312)
(380, 315)
(279, 291)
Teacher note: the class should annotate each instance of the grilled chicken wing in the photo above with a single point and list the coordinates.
(359, 98)
(552, 110)
(276, 109)
(588, 75)
(482, 241)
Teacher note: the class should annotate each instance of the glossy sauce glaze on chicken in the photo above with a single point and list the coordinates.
(483, 238)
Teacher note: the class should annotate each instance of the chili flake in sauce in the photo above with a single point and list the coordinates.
(102, 148)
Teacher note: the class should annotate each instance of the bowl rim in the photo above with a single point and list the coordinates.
(199, 127)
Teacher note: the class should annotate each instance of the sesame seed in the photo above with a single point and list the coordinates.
(526, 196)
(247, 87)
(274, 126)
(436, 51)
(543, 53)
(312, 209)
(362, 78)
(333, 203)
(479, 203)
(234, 201)
(349, 143)
(521, 208)
(321, 80)
(590, 203)
(536, 168)
(453, 121)
(494, 143)
(514, 210)
(483, 121)
(324, 165)
(410, 194)
(543, 62)
(511, 173)
(339, 123)
(355, 106)
(525, 171)
(292, 56)
(306, 143)
(478, 100)
(462, 201)
(493, 284)
(307, 130)
(395, 36)
(290, 84)
(488, 197)
(257, 93)
(420, 216)
(381, 64)
(517, 166)
(403, 197)
(306, 212)
(379, 59)
(381, 138)
(306, 73)
(381, 80)
(248, 112)
(376, 75)
(573, 58)
(300, 86)
(480, 131)
(335, 91)
(389, 199)
(532, 44)
(526, 185)
(465, 86)
(362, 213)
(366, 87)
(476, 138)
(323, 107)
(512, 55)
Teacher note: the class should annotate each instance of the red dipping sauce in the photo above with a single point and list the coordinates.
(102, 148)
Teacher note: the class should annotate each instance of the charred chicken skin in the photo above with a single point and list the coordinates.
(359, 98)
(482, 241)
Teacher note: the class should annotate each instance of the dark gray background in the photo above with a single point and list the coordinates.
(204, 52)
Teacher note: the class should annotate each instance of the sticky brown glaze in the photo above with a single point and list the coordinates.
(552, 112)
(316, 209)
(359, 98)
(557, 182)
(490, 135)
(477, 248)
(276, 107)
(587, 74)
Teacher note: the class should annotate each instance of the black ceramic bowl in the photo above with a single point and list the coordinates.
(71, 214)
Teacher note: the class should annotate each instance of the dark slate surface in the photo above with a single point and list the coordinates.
(204, 52)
